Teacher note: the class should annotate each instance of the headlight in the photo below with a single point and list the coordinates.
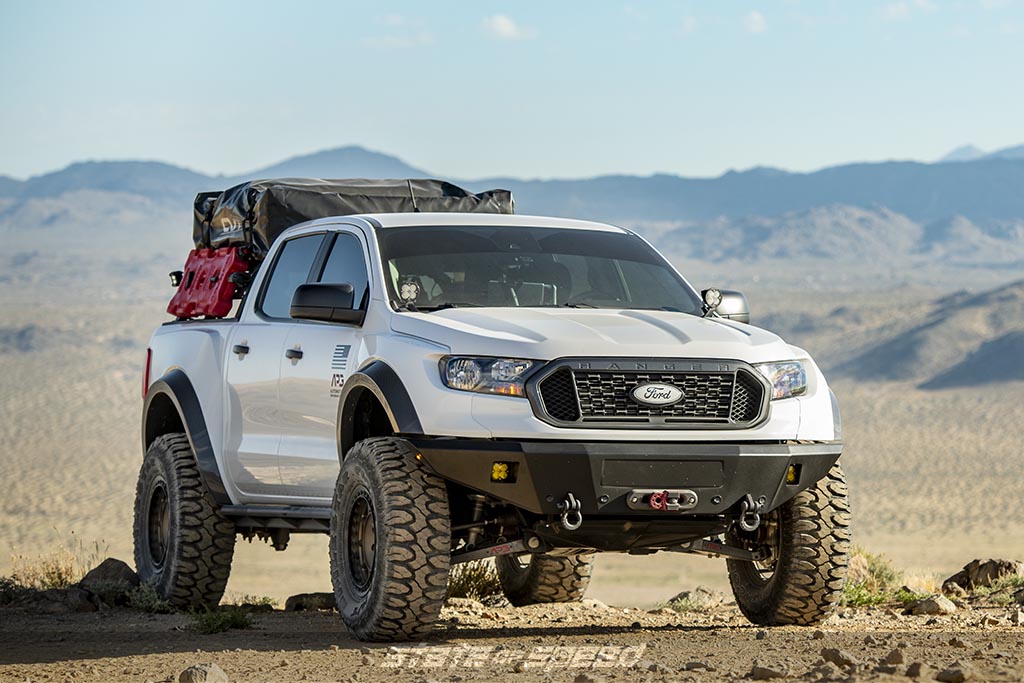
(787, 379)
(505, 376)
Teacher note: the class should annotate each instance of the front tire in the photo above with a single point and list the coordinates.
(810, 540)
(390, 542)
(536, 579)
(183, 544)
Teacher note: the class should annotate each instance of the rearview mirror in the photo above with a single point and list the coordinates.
(728, 303)
(327, 303)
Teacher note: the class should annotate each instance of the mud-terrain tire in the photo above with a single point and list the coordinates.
(183, 544)
(390, 542)
(536, 579)
(813, 552)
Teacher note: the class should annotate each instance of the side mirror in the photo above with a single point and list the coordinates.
(727, 303)
(326, 302)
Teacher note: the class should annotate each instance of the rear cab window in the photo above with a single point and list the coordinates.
(292, 267)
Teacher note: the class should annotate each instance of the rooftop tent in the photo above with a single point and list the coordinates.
(255, 213)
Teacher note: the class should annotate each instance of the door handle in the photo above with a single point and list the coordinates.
(293, 354)
(240, 349)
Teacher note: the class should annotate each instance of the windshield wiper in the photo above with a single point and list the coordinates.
(578, 304)
(450, 304)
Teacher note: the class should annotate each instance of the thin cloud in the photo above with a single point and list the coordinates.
(754, 22)
(688, 25)
(503, 27)
(904, 9)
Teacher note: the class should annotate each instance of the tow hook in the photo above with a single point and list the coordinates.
(572, 518)
(750, 513)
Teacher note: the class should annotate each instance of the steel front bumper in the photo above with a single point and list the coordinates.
(605, 476)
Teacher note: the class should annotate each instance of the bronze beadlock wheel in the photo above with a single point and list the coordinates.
(183, 544)
(390, 542)
(808, 543)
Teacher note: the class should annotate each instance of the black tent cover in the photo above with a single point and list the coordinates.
(253, 214)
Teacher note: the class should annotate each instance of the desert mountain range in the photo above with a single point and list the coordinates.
(951, 226)
(946, 221)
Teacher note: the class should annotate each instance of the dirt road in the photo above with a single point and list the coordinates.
(579, 643)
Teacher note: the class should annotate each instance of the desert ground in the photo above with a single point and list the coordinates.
(586, 643)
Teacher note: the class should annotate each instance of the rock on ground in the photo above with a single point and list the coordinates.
(982, 573)
(111, 581)
(933, 604)
(310, 602)
(837, 657)
(110, 570)
(203, 673)
(701, 595)
(765, 673)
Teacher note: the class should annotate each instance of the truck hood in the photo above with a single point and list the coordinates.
(546, 334)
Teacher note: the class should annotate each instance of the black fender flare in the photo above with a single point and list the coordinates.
(176, 388)
(383, 382)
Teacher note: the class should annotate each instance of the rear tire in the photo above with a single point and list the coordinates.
(537, 579)
(390, 542)
(183, 544)
(811, 541)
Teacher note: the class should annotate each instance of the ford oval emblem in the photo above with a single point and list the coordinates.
(657, 394)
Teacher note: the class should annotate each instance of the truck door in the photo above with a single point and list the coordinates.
(322, 356)
(253, 366)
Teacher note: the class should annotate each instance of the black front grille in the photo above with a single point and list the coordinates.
(594, 397)
(559, 396)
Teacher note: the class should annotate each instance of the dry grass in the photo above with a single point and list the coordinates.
(1002, 590)
(236, 599)
(476, 580)
(60, 568)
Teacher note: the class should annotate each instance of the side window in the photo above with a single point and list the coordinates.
(290, 270)
(347, 264)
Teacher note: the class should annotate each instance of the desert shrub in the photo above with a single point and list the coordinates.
(246, 600)
(686, 605)
(882, 575)
(209, 621)
(1001, 591)
(878, 584)
(859, 595)
(61, 568)
(906, 597)
(145, 598)
(476, 580)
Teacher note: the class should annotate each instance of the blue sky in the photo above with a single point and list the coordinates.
(530, 89)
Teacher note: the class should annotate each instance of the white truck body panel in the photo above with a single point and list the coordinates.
(273, 421)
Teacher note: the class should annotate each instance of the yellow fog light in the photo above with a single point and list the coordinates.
(793, 474)
(503, 472)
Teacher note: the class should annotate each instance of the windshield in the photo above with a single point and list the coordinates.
(441, 267)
